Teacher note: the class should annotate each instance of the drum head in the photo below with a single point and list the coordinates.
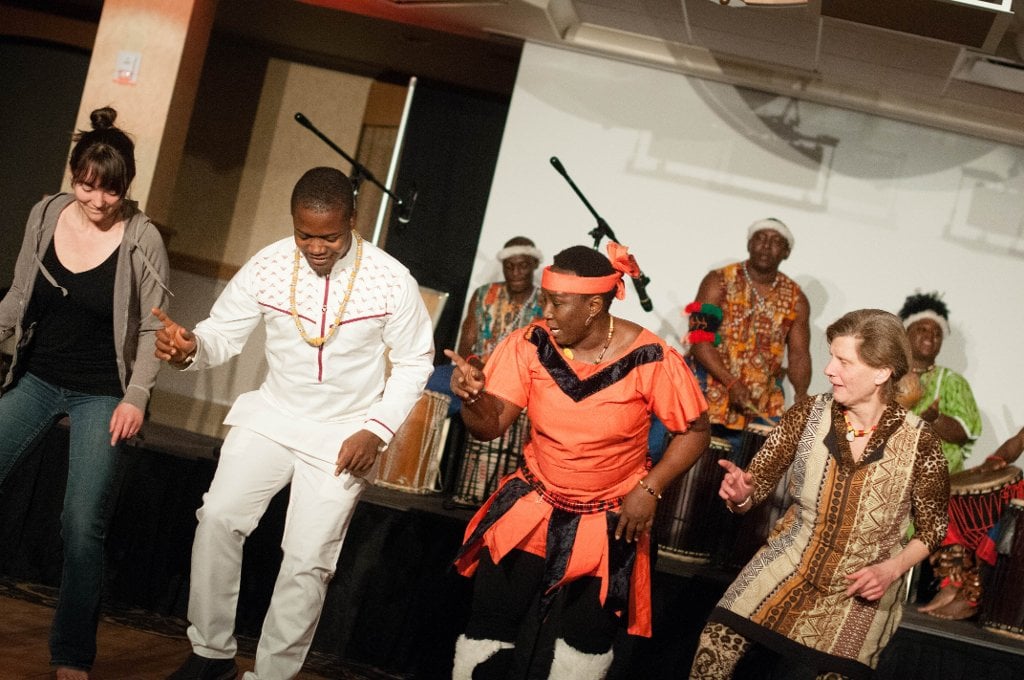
(761, 429)
(976, 480)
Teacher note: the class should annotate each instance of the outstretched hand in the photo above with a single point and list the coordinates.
(174, 343)
(737, 485)
(468, 379)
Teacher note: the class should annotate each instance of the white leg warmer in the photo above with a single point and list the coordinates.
(470, 653)
(572, 664)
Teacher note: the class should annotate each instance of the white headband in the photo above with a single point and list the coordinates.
(928, 314)
(774, 225)
(512, 251)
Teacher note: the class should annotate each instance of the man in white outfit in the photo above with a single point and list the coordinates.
(336, 311)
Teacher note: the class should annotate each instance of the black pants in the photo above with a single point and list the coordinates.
(506, 594)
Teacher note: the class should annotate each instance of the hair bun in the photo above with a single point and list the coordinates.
(103, 118)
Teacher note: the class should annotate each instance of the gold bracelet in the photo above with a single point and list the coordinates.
(648, 488)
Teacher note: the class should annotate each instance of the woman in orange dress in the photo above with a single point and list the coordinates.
(573, 521)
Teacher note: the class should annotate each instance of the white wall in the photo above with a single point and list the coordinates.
(679, 167)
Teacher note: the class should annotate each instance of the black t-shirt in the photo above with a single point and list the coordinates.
(73, 342)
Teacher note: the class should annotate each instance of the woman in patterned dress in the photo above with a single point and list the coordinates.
(825, 591)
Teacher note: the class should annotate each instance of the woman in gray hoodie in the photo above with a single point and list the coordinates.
(90, 269)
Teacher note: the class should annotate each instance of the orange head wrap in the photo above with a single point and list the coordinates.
(621, 261)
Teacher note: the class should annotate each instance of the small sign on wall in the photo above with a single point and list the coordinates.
(126, 69)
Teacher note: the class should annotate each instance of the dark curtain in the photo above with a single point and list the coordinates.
(449, 153)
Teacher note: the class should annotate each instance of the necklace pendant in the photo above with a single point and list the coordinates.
(850, 435)
(568, 353)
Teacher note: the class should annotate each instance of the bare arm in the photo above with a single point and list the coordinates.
(948, 428)
(485, 415)
(1007, 452)
(712, 291)
(640, 504)
(798, 349)
(470, 329)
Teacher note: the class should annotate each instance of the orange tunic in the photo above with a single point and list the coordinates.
(587, 449)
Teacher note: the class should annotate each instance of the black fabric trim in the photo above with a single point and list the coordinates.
(819, 661)
(621, 559)
(562, 527)
(506, 497)
(567, 380)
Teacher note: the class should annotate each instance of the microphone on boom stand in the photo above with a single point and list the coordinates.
(602, 229)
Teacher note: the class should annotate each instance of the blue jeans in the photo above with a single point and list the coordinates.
(26, 413)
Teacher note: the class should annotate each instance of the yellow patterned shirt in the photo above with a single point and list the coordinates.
(754, 331)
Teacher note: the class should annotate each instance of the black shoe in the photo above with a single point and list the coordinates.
(200, 668)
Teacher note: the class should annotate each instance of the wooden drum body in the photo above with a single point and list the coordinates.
(689, 515)
(484, 464)
(413, 458)
(744, 534)
(693, 522)
(1002, 609)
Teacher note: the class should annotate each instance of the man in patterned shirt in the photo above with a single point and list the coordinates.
(748, 317)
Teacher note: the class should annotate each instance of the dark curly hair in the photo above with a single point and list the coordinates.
(924, 302)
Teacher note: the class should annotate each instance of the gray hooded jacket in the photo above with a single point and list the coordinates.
(139, 285)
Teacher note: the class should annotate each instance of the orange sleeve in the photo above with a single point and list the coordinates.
(508, 369)
(674, 394)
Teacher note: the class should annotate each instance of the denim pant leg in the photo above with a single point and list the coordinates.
(92, 464)
(26, 412)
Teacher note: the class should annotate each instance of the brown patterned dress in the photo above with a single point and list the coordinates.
(791, 596)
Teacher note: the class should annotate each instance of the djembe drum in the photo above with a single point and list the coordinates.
(978, 497)
(689, 514)
(743, 535)
(1002, 609)
(485, 463)
(413, 457)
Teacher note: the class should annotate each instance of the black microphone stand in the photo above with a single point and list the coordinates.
(602, 230)
(360, 172)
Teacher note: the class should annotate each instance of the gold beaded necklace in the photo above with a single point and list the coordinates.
(569, 354)
(320, 340)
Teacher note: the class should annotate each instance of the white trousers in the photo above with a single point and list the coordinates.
(251, 470)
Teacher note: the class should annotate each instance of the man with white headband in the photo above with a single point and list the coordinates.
(748, 317)
(496, 309)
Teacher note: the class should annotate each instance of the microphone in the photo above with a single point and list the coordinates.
(404, 206)
(640, 284)
(558, 166)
